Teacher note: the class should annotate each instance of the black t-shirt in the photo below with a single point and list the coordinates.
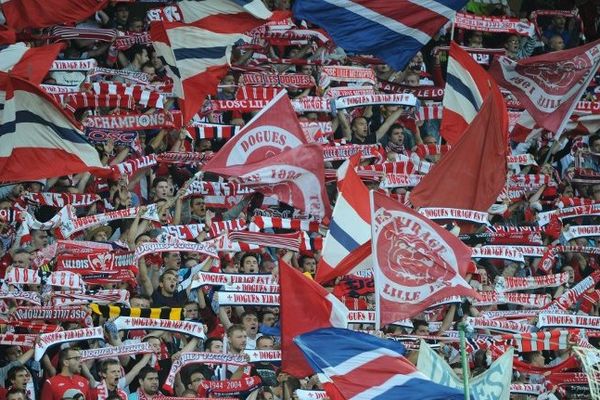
(177, 300)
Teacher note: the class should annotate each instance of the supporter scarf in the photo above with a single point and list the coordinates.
(289, 241)
(71, 226)
(396, 167)
(494, 24)
(223, 243)
(22, 276)
(173, 157)
(30, 221)
(34, 327)
(132, 166)
(569, 363)
(496, 251)
(263, 355)
(256, 93)
(531, 251)
(74, 65)
(311, 394)
(339, 73)
(498, 325)
(96, 262)
(564, 202)
(233, 387)
(421, 92)
(220, 227)
(522, 299)
(141, 93)
(10, 216)
(434, 213)
(551, 255)
(499, 234)
(48, 339)
(521, 159)
(60, 199)
(75, 101)
(527, 388)
(58, 89)
(203, 130)
(174, 244)
(564, 13)
(391, 181)
(49, 313)
(19, 295)
(354, 286)
(65, 279)
(70, 297)
(279, 80)
(538, 341)
(246, 298)
(122, 43)
(343, 91)
(261, 223)
(250, 287)
(574, 232)
(301, 105)
(190, 328)
(571, 296)
(342, 103)
(531, 180)
(12, 339)
(568, 321)
(59, 33)
(185, 232)
(428, 112)
(133, 76)
(116, 351)
(80, 247)
(217, 188)
(511, 314)
(111, 311)
(200, 358)
(217, 279)
(511, 283)
(157, 120)
(343, 152)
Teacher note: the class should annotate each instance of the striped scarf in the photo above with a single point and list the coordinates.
(59, 33)
(112, 311)
(555, 339)
(289, 241)
(261, 223)
(204, 130)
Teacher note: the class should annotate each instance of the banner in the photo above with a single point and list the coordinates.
(494, 383)
(434, 213)
(245, 298)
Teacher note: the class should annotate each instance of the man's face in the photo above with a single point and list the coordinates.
(238, 340)
(557, 43)
(191, 311)
(198, 207)
(22, 260)
(150, 383)
(265, 344)
(74, 362)
(20, 380)
(250, 323)
(422, 330)
(137, 26)
(169, 283)
(113, 374)
(173, 260)
(595, 146)
(268, 319)
(162, 190)
(155, 344)
(360, 127)
(412, 80)
(39, 239)
(195, 381)
(136, 302)
(215, 347)
(121, 15)
(309, 265)
(250, 265)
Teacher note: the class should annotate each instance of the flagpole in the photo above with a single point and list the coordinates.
(463, 358)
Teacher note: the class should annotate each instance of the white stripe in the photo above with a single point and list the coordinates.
(396, 380)
(389, 23)
(193, 10)
(339, 312)
(435, 7)
(358, 361)
(10, 56)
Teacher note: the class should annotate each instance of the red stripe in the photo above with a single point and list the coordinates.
(407, 13)
(371, 374)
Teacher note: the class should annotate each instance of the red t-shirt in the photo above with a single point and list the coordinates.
(55, 387)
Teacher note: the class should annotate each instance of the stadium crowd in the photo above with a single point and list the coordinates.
(87, 276)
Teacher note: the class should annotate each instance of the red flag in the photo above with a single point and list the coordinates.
(472, 174)
(549, 85)
(29, 63)
(273, 130)
(416, 262)
(305, 306)
(21, 14)
(294, 177)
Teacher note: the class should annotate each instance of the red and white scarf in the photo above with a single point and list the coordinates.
(528, 300)
(12, 339)
(74, 65)
(339, 73)
(19, 295)
(256, 93)
(157, 120)
(391, 181)
(247, 298)
(342, 103)
(342, 91)
(289, 241)
(116, 351)
(132, 166)
(498, 325)
(190, 328)
(570, 297)
(217, 188)
(538, 341)
(511, 283)
(173, 157)
(125, 42)
(343, 152)
(218, 279)
(421, 92)
(428, 112)
(204, 130)
(577, 231)
(60, 199)
(494, 24)
(497, 251)
(455, 213)
(49, 313)
(568, 321)
(71, 297)
(168, 243)
(48, 339)
(58, 33)
(278, 80)
(550, 257)
(261, 223)
(578, 211)
(133, 76)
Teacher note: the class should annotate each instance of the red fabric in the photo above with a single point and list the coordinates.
(36, 62)
(295, 177)
(538, 81)
(22, 14)
(416, 262)
(272, 131)
(305, 306)
(55, 387)
(472, 174)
